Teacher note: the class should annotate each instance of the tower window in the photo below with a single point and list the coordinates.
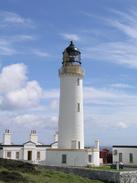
(78, 144)
(78, 107)
(64, 158)
(78, 81)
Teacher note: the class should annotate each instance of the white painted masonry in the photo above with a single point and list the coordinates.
(125, 154)
(70, 150)
(71, 95)
(7, 137)
(31, 151)
(34, 136)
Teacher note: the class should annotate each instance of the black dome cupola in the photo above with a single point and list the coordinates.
(71, 55)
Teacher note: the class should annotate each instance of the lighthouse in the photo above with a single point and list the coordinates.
(70, 127)
(70, 150)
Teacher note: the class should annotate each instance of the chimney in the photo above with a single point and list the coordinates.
(34, 136)
(97, 144)
(7, 137)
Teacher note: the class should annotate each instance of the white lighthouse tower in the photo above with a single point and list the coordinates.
(71, 132)
(70, 150)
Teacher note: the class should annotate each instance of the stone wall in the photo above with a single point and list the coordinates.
(128, 177)
(103, 175)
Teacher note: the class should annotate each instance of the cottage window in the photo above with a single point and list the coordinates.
(17, 155)
(130, 158)
(89, 158)
(120, 157)
(9, 154)
(38, 155)
(64, 158)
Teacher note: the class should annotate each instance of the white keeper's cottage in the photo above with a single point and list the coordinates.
(126, 154)
(32, 151)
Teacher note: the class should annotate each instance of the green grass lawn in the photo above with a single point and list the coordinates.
(43, 176)
(104, 167)
(19, 172)
(50, 176)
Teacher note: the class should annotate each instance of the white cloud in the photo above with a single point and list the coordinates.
(52, 94)
(24, 97)
(10, 18)
(123, 53)
(16, 91)
(6, 48)
(40, 53)
(95, 94)
(122, 125)
(125, 22)
(109, 96)
(121, 85)
(35, 120)
(54, 104)
(13, 77)
(28, 120)
(110, 108)
(7, 43)
(121, 48)
(73, 37)
(19, 38)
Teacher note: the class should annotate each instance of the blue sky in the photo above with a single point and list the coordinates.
(33, 35)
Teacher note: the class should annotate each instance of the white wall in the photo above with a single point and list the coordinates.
(74, 157)
(125, 155)
(7, 138)
(23, 152)
(1, 153)
(29, 147)
(34, 149)
(13, 151)
(70, 120)
(96, 158)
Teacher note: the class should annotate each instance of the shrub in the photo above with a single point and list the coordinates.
(18, 165)
(12, 177)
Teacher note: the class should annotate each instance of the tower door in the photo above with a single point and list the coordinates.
(29, 155)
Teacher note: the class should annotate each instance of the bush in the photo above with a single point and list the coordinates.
(18, 165)
(12, 177)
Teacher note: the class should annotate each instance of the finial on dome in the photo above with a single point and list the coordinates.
(71, 43)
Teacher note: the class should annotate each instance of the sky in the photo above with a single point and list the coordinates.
(33, 35)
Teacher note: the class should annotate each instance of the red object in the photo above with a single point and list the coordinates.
(106, 155)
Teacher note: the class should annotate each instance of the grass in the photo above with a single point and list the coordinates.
(50, 176)
(19, 172)
(12, 176)
(105, 167)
